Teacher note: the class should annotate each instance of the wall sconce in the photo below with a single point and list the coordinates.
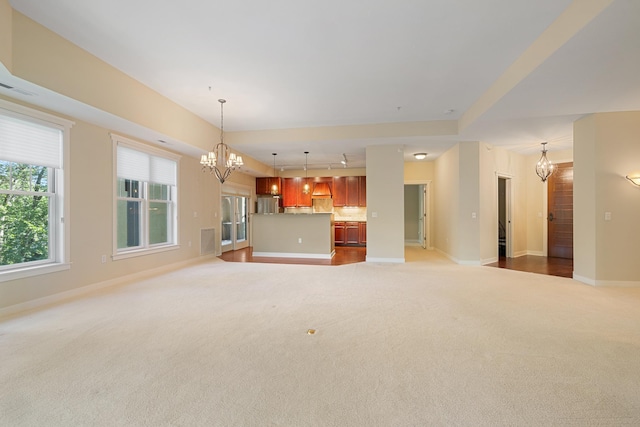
(634, 178)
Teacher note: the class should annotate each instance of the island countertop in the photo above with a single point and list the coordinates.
(293, 235)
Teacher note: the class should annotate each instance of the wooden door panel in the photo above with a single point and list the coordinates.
(560, 212)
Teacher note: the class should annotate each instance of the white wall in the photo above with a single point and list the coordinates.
(385, 203)
(606, 148)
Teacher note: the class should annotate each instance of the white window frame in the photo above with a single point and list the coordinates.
(60, 232)
(144, 248)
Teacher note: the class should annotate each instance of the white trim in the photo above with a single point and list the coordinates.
(20, 111)
(607, 283)
(458, 261)
(535, 253)
(36, 270)
(141, 252)
(489, 260)
(294, 255)
(74, 293)
(119, 140)
(385, 260)
(60, 234)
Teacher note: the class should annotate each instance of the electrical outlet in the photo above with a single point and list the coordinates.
(299, 239)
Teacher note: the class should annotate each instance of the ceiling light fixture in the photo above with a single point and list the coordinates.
(420, 156)
(634, 178)
(544, 168)
(221, 160)
(344, 160)
(305, 187)
(274, 186)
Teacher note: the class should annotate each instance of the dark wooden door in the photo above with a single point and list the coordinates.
(353, 188)
(362, 192)
(289, 193)
(560, 212)
(339, 191)
(352, 233)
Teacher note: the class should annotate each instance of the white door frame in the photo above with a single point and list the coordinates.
(425, 196)
(235, 191)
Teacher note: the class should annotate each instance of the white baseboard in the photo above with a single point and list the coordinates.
(489, 260)
(294, 255)
(74, 293)
(459, 261)
(535, 253)
(607, 283)
(386, 260)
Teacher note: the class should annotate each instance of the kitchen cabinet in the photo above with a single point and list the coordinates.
(292, 196)
(350, 233)
(349, 191)
(263, 185)
(362, 235)
(339, 233)
(362, 191)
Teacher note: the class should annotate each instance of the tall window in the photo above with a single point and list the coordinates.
(146, 195)
(31, 189)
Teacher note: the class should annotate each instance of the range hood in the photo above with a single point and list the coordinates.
(321, 190)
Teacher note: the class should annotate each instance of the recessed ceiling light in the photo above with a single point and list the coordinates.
(420, 156)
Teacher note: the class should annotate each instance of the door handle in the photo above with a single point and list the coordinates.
(550, 216)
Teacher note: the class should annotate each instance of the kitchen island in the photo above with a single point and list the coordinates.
(293, 235)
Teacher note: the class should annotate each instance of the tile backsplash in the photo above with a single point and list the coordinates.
(339, 213)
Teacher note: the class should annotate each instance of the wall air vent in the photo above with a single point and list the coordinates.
(5, 86)
(207, 241)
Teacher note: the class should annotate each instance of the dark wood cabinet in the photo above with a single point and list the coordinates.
(352, 233)
(362, 235)
(349, 191)
(264, 185)
(339, 233)
(362, 191)
(292, 195)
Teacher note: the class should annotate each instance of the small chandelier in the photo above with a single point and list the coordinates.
(221, 160)
(274, 186)
(544, 168)
(305, 188)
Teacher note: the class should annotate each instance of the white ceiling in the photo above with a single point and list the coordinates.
(296, 64)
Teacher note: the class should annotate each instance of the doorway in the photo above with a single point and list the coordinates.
(504, 218)
(416, 224)
(234, 222)
(560, 212)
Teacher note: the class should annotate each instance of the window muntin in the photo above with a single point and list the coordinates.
(146, 190)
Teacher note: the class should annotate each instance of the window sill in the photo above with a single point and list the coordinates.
(21, 273)
(143, 252)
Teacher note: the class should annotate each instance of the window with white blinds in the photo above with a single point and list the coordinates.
(32, 206)
(145, 206)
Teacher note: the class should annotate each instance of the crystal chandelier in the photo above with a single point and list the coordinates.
(221, 160)
(544, 168)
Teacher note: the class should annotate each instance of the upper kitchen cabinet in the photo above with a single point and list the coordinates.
(264, 185)
(349, 191)
(292, 195)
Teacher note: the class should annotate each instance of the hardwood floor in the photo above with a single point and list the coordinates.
(537, 264)
(349, 255)
(344, 255)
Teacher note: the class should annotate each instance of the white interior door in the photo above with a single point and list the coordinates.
(235, 211)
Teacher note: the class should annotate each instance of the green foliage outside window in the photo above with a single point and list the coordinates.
(24, 214)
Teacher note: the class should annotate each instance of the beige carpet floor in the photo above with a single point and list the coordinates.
(425, 343)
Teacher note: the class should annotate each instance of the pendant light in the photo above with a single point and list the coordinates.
(305, 187)
(220, 160)
(544, 168)
(274, 186)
